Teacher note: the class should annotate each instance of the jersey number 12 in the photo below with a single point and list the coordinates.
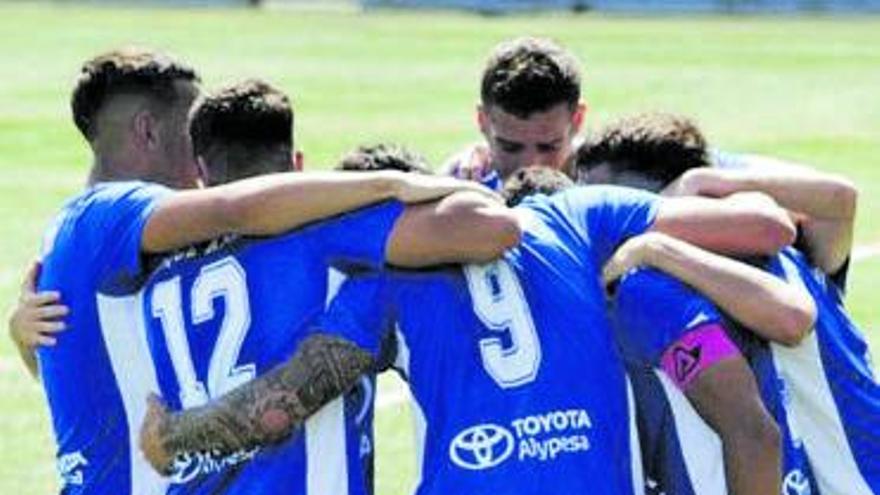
(222, 279)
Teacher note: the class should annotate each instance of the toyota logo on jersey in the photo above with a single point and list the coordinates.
(481, 447)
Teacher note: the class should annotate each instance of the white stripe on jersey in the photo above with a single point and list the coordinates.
(335, 279)
(813, 408)
(326, 446)
(135, 376)
(635, 448)
(401, 360)
(700, 447)
(420, 425)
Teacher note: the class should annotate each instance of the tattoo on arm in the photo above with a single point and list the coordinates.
(268, 409)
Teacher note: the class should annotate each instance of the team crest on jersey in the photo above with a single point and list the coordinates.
(539, 437)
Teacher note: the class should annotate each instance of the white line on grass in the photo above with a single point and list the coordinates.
(865, 252)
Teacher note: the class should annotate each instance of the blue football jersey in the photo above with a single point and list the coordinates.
(682, 455)
(219, 315)
(97, 375)
(517, 386)
(832, 392)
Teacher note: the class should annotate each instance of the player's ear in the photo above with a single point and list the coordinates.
(578, 117)
(483, 119)
(146, 130)
(297, 160)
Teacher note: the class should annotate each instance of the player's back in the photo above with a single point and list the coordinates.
(219, 315)
(96, 376)
(517, 384)
(834, 397)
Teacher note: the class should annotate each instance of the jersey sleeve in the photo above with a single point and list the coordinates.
(653, 310)
(603, 217)
(358, 239)
(360, 312)
(112, 225)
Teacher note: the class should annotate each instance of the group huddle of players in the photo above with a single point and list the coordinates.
(207, 318)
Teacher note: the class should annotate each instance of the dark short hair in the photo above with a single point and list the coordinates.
(658, 146)
(243, 130)
(384, 156)
(125, 71)
(252, 113)
(528, 75)
(534, 180)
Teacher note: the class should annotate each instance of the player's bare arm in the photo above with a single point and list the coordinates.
(727, 397)
(280, 202)
(463, 227)
(35, 320)
(262, 412)
(825, 203)
(768, 305)
(741, 224)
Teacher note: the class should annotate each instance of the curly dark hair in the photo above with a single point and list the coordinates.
(126, 70)
(530, 75)
(534, 180)
(252, 113)
(384, 156)
(659, 146)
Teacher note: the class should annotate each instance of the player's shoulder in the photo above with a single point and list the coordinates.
(655, 293)
(90, 211)
(795, 266)
(640, 284)
(649, 277)
(111, 200)
(105, 196)
(583, 197)
(577, 204)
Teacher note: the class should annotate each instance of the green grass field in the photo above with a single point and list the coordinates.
(803, 88)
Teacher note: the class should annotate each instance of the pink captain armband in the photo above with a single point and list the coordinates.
(695, 352)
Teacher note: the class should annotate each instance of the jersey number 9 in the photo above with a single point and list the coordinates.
(500, 304)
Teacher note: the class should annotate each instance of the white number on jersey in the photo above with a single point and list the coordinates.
(222, 279)
(500, 304)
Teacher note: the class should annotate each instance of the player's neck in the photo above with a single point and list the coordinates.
(108, 168)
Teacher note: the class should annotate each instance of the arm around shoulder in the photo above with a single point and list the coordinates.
(741, 224)
(461, 228)
(276, 203)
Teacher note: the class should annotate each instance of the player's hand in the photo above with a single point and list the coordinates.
(633, 253)
(38, 317)
(477, 165)
(418, 188)
(151, 435)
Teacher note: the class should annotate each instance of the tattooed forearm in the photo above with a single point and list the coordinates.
(268, 409)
